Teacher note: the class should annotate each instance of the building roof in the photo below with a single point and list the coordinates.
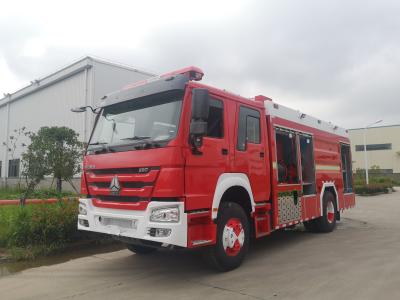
(63, 73)
(382, 126)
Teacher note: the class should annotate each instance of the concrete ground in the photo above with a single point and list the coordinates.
(360, 260)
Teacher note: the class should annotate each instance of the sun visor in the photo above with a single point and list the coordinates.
(149, 87)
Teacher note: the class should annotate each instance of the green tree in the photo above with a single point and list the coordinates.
(34, 165)
(63, 153)
(53, 151)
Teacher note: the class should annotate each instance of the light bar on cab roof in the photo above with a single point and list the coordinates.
(194, 73)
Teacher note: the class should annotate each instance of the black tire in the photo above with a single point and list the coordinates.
(310, 226)
(229, 258)
(327, 222)
(140, 249)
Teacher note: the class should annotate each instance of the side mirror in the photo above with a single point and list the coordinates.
(84, 108)
(79, 109)
(200, 104)
(200, 108)
(198, 125)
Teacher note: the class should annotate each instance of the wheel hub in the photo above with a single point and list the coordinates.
(330, 212)
(233, 237)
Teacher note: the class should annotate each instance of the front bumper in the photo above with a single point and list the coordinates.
(134, 223)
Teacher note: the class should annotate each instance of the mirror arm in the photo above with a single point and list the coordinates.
(83, 109)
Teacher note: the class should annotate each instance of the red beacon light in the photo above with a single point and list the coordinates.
(262, 98)
(194, 73)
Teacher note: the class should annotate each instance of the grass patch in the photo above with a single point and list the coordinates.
(377, 185)
(372, 189)
(38, 230)
(15, 193)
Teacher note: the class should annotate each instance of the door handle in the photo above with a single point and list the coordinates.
(262, 154)
(224, 151)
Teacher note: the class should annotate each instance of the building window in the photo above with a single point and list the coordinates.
(13, 168)
(373, 147)
(215, 122)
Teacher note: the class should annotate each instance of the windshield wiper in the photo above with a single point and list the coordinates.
(98, 143)
(137, 138)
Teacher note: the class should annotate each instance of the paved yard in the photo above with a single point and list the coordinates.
(360, 260)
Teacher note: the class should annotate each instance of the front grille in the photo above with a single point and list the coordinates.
(121, 198)
(122, 184)
(136, 185)
(102, 185)
(142, 170)
(131, 185)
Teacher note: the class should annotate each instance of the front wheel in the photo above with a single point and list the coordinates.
(233, 235)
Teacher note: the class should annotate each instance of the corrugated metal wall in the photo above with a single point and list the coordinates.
(3, 137)
(51, 106)
(109, 78)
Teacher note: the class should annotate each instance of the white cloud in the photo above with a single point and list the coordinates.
(8, 78)
(329, 59)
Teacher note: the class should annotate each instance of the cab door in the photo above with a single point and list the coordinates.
(203, 167)
(250, 150)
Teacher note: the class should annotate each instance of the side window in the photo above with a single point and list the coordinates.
(307, 164)
(346, 168)
(253, 129)
(248, 128)
(286, 152)
(216, 119)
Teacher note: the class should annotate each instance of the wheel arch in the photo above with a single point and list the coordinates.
(232, 187)
(329, 187)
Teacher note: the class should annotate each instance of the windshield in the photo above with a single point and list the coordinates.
(151, 119)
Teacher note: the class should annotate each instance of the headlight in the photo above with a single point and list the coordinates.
(82, 209)
(165, 214)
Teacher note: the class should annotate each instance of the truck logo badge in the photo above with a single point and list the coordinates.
(115, 187)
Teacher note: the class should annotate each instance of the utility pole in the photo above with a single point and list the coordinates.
(365, 150)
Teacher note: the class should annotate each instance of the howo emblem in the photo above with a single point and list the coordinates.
(115, 187)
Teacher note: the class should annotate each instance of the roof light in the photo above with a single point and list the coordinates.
(262, 98)
(194, 73)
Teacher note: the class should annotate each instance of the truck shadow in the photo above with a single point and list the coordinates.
(279, 245)
(189, 262)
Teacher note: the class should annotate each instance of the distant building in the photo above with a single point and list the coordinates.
(48, 101)
(383, 148)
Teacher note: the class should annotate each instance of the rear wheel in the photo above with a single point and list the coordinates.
(140, 249)
(327, 222)
(310, 226)
(233, 235)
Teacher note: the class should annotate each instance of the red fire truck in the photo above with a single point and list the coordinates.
(175, 163)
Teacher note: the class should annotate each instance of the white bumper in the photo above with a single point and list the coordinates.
(134, 223)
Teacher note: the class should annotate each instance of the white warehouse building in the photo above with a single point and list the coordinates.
(48, 101)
